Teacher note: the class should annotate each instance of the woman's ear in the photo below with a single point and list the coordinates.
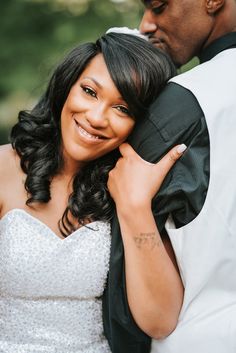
(213, 6)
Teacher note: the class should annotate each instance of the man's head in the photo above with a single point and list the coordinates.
(184, 27)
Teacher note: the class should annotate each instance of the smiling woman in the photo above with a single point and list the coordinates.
(94, 115)
(54, 227)
(99, 89)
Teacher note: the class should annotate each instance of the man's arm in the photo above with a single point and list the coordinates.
(174, 118)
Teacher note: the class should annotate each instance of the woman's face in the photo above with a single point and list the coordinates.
(95, 119)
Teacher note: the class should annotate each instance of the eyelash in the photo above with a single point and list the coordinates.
(89, 91)
(158, 9)
(123, 109)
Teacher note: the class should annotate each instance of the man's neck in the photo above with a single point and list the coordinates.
(226, 41)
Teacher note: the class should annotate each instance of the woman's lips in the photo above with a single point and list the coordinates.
(87, 135)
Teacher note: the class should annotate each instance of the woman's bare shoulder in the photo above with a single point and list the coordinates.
(6, 149)
(10, 173)
(8, 160)
(6, 154)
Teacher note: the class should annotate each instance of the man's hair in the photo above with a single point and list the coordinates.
(138, 70)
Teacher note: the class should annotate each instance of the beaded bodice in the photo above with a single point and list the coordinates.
(50, 288)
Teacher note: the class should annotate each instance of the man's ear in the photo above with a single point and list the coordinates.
(213, 6)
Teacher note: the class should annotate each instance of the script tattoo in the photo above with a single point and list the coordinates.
(149, 240)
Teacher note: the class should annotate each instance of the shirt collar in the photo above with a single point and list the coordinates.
(226, 42)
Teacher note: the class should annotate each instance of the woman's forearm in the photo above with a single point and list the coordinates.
(154, 287)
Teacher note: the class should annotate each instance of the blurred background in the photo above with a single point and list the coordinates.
(36, 34)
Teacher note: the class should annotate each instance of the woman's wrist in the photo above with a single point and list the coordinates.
(127, 209)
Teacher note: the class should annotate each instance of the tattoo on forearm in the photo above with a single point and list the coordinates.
(148, 240)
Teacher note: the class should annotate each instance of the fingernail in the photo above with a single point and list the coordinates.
(181, 148)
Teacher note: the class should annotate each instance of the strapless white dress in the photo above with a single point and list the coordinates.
(50, 288)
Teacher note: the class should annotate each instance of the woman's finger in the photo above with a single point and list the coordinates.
(126, 150)
(166, 163)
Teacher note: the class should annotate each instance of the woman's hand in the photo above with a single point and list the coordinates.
(134, 181)
(154, 287)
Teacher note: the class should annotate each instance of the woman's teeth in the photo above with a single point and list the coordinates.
(87, 134)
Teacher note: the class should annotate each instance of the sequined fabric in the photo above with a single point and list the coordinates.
(50, 288)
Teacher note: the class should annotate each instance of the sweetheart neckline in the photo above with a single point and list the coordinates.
(42, 224)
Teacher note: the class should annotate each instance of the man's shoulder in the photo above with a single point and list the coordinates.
(175, 99)
(176, 109)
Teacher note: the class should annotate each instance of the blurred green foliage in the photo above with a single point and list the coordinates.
(36, 34)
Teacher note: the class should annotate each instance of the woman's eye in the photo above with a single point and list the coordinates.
(123, 109)
(89, 91)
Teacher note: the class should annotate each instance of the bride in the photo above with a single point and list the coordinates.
(55, 206)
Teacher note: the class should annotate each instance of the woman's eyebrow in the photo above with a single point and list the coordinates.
(94, 80)
(99, 85)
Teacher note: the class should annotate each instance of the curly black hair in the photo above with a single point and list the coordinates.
(138, 70)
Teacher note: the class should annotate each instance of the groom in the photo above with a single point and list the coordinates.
(194, 108)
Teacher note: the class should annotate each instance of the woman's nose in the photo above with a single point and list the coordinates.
(148, 23)
(98, 118)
